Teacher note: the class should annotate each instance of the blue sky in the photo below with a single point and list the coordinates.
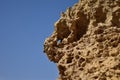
(24, 25)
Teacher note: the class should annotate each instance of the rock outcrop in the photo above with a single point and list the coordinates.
(85, 44)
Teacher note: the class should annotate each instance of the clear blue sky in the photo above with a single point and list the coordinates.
(24, 25)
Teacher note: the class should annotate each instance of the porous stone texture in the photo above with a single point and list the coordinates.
(85, 44)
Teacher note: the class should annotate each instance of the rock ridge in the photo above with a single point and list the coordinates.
(85, 43)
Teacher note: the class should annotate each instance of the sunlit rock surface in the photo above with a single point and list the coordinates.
(85, 43)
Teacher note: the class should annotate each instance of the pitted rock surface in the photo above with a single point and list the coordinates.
(85, 44)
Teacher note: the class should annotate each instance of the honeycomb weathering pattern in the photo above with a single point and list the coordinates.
(85, 44)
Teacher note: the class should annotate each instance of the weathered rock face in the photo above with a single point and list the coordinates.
(85, 44)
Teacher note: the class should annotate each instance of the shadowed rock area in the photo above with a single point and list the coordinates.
(85, 43)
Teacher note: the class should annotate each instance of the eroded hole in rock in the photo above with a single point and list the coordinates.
(100, 15)
(116, 18)
(59, 41)
(81, 26)
(81, 69)
(69, 59)
(61, 69)
(71, 30)
(62, 30)
(81, 60)
(77, 57)
(77, 48)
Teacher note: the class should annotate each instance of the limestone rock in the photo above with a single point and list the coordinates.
(85, 44)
